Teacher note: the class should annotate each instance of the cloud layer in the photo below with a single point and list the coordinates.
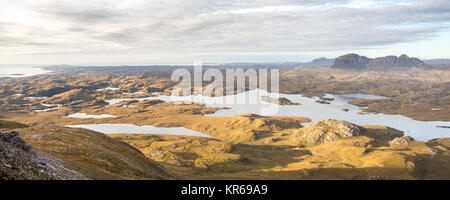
(214, 26)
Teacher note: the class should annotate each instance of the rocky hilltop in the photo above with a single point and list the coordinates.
(355, 61)
(319, 62)
(326, 130)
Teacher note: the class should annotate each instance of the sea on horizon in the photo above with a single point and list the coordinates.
(16, 71)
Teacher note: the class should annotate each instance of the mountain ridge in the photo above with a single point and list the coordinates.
(358, 62)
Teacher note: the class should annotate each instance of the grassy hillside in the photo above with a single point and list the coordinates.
(11, 125)
(93, 154)
(367, 152)
(18, 161)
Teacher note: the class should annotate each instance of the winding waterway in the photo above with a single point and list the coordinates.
(135, 129)
(250, 102)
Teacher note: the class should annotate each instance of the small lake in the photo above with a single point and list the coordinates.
(84, 115)
(108, 88)
(51, 107)
(135, 129)
(250, 102)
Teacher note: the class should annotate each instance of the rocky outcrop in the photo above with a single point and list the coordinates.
(357, 62)
(401, 141)
(18, 161)
(14, 139)
(325, 131)
(351, 61)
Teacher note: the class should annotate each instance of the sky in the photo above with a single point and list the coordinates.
(218, 31)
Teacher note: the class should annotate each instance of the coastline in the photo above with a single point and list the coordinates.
(20, 71)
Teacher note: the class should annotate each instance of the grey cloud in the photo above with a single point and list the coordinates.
(86, 16)
(178, 25)
(338, 27)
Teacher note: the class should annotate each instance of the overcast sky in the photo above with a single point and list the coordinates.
(183, 31)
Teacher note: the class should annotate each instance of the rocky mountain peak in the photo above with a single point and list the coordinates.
(355, 61)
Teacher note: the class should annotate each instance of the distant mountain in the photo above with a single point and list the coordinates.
(355, 61)
(437, 61)
(319, 62)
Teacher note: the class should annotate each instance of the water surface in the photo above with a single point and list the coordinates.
(134, 129)
(16, 71)
(85, 115)
(244, 103)
(108, 88)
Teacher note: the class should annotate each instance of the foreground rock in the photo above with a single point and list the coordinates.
(93, 154)
(19, 161)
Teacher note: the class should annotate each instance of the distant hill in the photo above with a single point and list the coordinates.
(357, 62)
(319, 62)
(439, 63)
(436, 61)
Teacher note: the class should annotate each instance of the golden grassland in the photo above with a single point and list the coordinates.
(416, 93)
(354, 158)
(11, 125)
(244, 146)
(233, 129)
